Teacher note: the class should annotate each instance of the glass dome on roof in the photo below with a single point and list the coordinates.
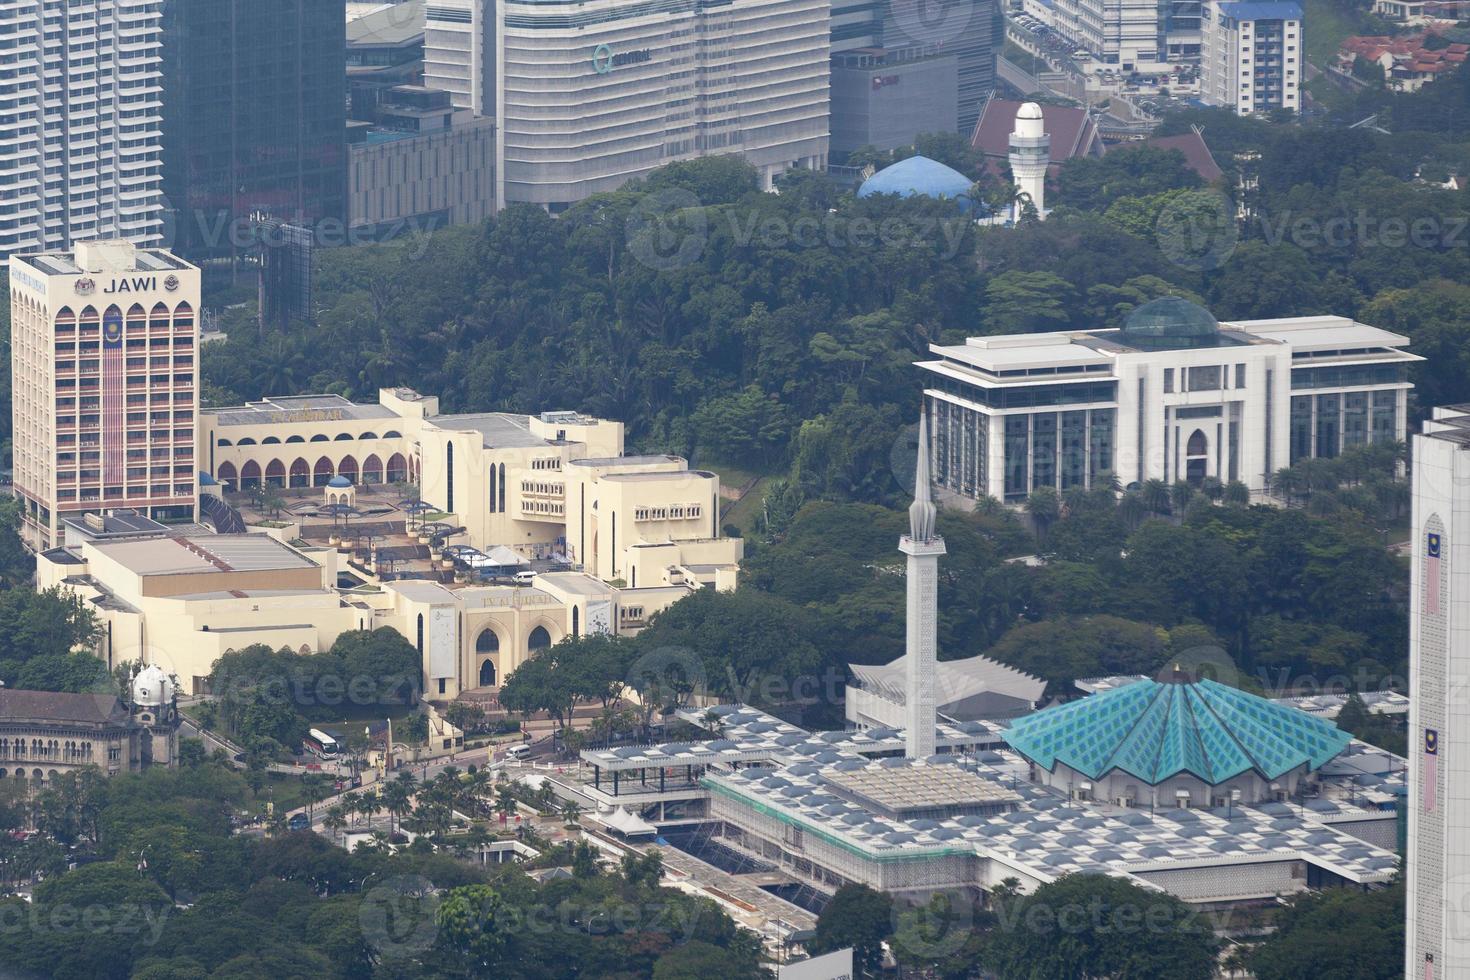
(1170, 323)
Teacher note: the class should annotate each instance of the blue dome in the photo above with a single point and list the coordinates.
(205, 480)
(339, 482)
(1157, 730)
(917, 176)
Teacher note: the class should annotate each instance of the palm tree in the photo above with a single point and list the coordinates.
(1237, 494)
(397, 800)
(570, 813)
(1044, 507)
(1131, 509)
(1213, 488)
(336, 819)
(313, 790)
(1155, 495)
(1180, 494)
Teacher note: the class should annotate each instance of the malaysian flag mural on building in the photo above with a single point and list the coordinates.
(113, 397)
(1431, 768)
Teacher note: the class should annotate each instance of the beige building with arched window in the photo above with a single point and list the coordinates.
(550, 485)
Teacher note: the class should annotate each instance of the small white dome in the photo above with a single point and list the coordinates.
(153, 688)
(1030, 121)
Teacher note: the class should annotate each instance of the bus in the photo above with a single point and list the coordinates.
(320, 744)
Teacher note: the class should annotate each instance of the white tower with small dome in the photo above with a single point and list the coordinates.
(1030, 156)
(154, 705)
(923, 546)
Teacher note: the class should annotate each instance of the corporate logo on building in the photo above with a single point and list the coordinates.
(85, 286)
(604, 60)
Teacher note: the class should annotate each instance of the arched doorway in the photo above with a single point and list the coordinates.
(372, 469)
(275, 473)
(397, 468)
(300, 472)
(487, 641)
(487, 673)
(226, 475)
(348, 468)
(250, 475)
(1197, 457)
(323, 472)
(538, 640)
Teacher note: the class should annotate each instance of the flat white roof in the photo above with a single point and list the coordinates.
(1321, 333)
(203, 553)
(1046, 352)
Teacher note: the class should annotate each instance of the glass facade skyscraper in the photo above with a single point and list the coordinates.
(254, 120)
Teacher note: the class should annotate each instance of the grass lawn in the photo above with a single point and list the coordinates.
(744, 513)
(1326, 23)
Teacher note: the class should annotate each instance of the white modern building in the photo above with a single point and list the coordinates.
(1252, 55)
(590, 95)
(1438, 855)
(80, 123)
(1172, 395)
(104, 381)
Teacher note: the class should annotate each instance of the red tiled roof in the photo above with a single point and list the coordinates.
(1072, 132)
(1196, 153)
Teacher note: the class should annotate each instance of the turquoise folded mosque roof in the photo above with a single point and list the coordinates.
(1155, 730)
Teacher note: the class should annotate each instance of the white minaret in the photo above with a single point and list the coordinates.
(1030, 155)
(923, 547)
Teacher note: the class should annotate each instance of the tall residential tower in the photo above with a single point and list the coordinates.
(80, 123)
(104, 384)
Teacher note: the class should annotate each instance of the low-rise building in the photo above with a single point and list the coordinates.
(45, 734)
(554, 484)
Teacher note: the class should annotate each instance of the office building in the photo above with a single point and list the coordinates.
(104, 381)
(254, 121)
(1172, 395)
(587, 98)
(884, 99)
(1437, 860)
(1252, 56)
(80, 125)
(417, 163)
(936, 62)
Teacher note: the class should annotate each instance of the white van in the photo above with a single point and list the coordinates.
(518, 751)
(525, 577)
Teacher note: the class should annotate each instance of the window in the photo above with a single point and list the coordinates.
(1240, 376)
(1204, 378)
(1168, 380)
